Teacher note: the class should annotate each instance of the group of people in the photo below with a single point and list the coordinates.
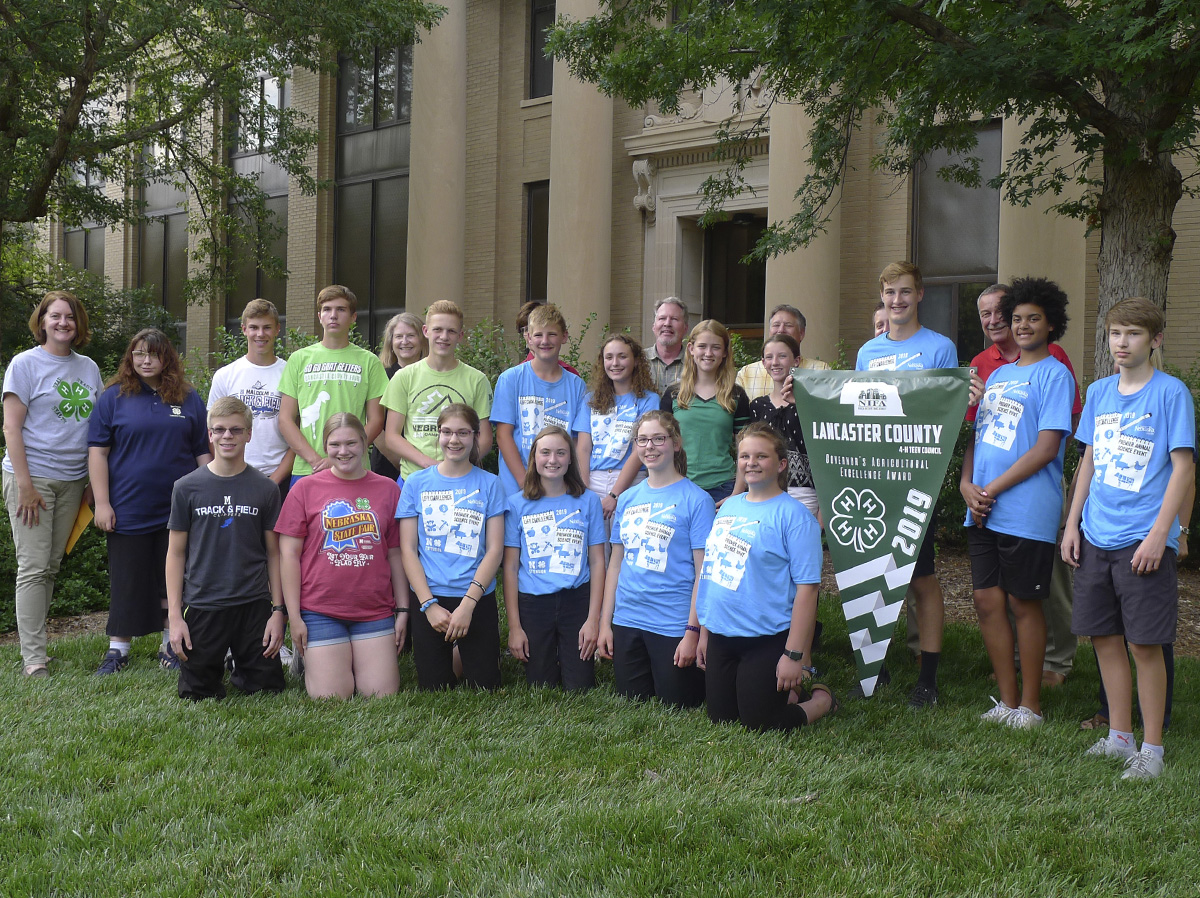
(653, 516)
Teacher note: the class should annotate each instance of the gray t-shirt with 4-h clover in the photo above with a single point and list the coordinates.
(59, 393)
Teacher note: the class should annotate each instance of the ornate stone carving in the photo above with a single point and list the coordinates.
(643, 176)
(719, 102)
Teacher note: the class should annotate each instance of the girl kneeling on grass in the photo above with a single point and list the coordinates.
(648, 625)
(339, 560)
(452, 536)
(759, 635)
(551, 595)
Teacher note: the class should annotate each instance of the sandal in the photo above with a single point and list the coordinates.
(36, 671)
(834, 705)
(1096, 722)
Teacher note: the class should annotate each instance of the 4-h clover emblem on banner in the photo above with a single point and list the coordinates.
(879, 444)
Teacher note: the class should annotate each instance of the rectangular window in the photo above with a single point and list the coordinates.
(164, 263)
(371, 248)
(735, 292)
(84, 248)
(375, 92)
(537, 239)
(956, 241)
(541, 66)
(250, 280)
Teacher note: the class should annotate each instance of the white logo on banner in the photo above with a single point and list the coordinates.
(873, 400)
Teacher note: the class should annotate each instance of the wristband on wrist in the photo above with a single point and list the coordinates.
(480, 585)
(472, 598)
(689, 628)
(425, 605)
(795, 656)
(611, 494)
(402, 609)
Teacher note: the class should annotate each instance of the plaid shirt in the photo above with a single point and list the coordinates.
(755, 380)
(665, 376)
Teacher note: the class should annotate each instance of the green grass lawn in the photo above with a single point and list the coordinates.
(114, 786)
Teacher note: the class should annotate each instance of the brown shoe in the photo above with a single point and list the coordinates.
(1052, 679)
(1096, 722)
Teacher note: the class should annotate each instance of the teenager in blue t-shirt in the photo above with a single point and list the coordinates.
(622, 390)
(648, 625)
(452, 539)
(148, 429)
(907, 346)
(1138, 429)
(758, 596)
(554, 567)
(1012, 483)
(533, 395)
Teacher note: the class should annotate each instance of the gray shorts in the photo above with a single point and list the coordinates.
(1111, 600)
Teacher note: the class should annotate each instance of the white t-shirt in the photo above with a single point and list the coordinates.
(258, 387)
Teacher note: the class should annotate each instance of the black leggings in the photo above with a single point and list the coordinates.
(479, 649)
(740, 681)
(644, 667)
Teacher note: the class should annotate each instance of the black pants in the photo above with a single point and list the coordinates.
(644, 666)
(238, 629)
(137, 580)
(552, 623)
(740, 682)
(479, 649)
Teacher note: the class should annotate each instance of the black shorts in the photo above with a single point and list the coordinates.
(924, 566)
(1111, 600)
(1021, 567)
(137, 580)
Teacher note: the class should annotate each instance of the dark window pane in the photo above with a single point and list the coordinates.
(95, 251)
(958, 228)
(272, 288)
(75, 248)
(537, 242)
(541, 67)
(404, 85)
(352, 244)
(391, 253)
(176, 251)
(385, 102)
(153, 237)
(734, 293)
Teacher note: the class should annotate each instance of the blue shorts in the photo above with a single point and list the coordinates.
(326, 630)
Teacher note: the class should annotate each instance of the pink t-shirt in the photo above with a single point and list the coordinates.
(347, 527)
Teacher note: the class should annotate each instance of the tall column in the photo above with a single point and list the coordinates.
(437, 184)
(579, 267)
(807, 278)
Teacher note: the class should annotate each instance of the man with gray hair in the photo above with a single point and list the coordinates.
(666, 355)
(784, 319)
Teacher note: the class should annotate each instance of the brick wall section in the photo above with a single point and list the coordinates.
(1182, 343)
(876, 230)
(310, 218)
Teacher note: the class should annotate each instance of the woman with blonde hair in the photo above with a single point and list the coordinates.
(402, 344)
(711, 409)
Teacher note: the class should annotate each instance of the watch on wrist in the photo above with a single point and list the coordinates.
(795, 656)
(282, 609)
(1185, 531)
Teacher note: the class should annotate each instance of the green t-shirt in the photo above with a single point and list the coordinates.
(708, 433)
(325, 382)
(420, 393)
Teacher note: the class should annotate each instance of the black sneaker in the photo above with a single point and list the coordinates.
(923, 696)
(113, 662)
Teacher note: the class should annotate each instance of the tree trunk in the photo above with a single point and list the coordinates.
(1136, 237)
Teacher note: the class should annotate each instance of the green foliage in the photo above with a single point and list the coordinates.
(82, 584)
(744, 351)
(1191, 379)
(115, 786)
(66, 106)
(26, 275)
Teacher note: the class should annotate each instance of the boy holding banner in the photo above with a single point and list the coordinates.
(1122, 531)
(1012, 483)
(907, 346)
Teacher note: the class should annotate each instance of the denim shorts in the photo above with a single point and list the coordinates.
(326, 630)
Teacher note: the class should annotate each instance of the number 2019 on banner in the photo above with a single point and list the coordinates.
(916, 513)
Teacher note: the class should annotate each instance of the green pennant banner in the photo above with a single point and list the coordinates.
(879, 443)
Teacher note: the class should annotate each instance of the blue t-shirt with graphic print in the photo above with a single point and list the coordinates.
(1132, 438)
(554, 535)
(658, 529)
(612, 431)
(923, 350)
(452, 515)
(755, 557)
(1019, 402)
(529, 403)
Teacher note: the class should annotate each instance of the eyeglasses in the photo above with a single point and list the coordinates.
(461, 434)
(658, 440)
(232, 431)
(140, 355)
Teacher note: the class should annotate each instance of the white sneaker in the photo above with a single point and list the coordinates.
(1105, 747)
(999, 712)
(1145, 765)
(1024, 719)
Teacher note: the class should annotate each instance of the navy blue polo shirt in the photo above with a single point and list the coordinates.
(151, 444)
